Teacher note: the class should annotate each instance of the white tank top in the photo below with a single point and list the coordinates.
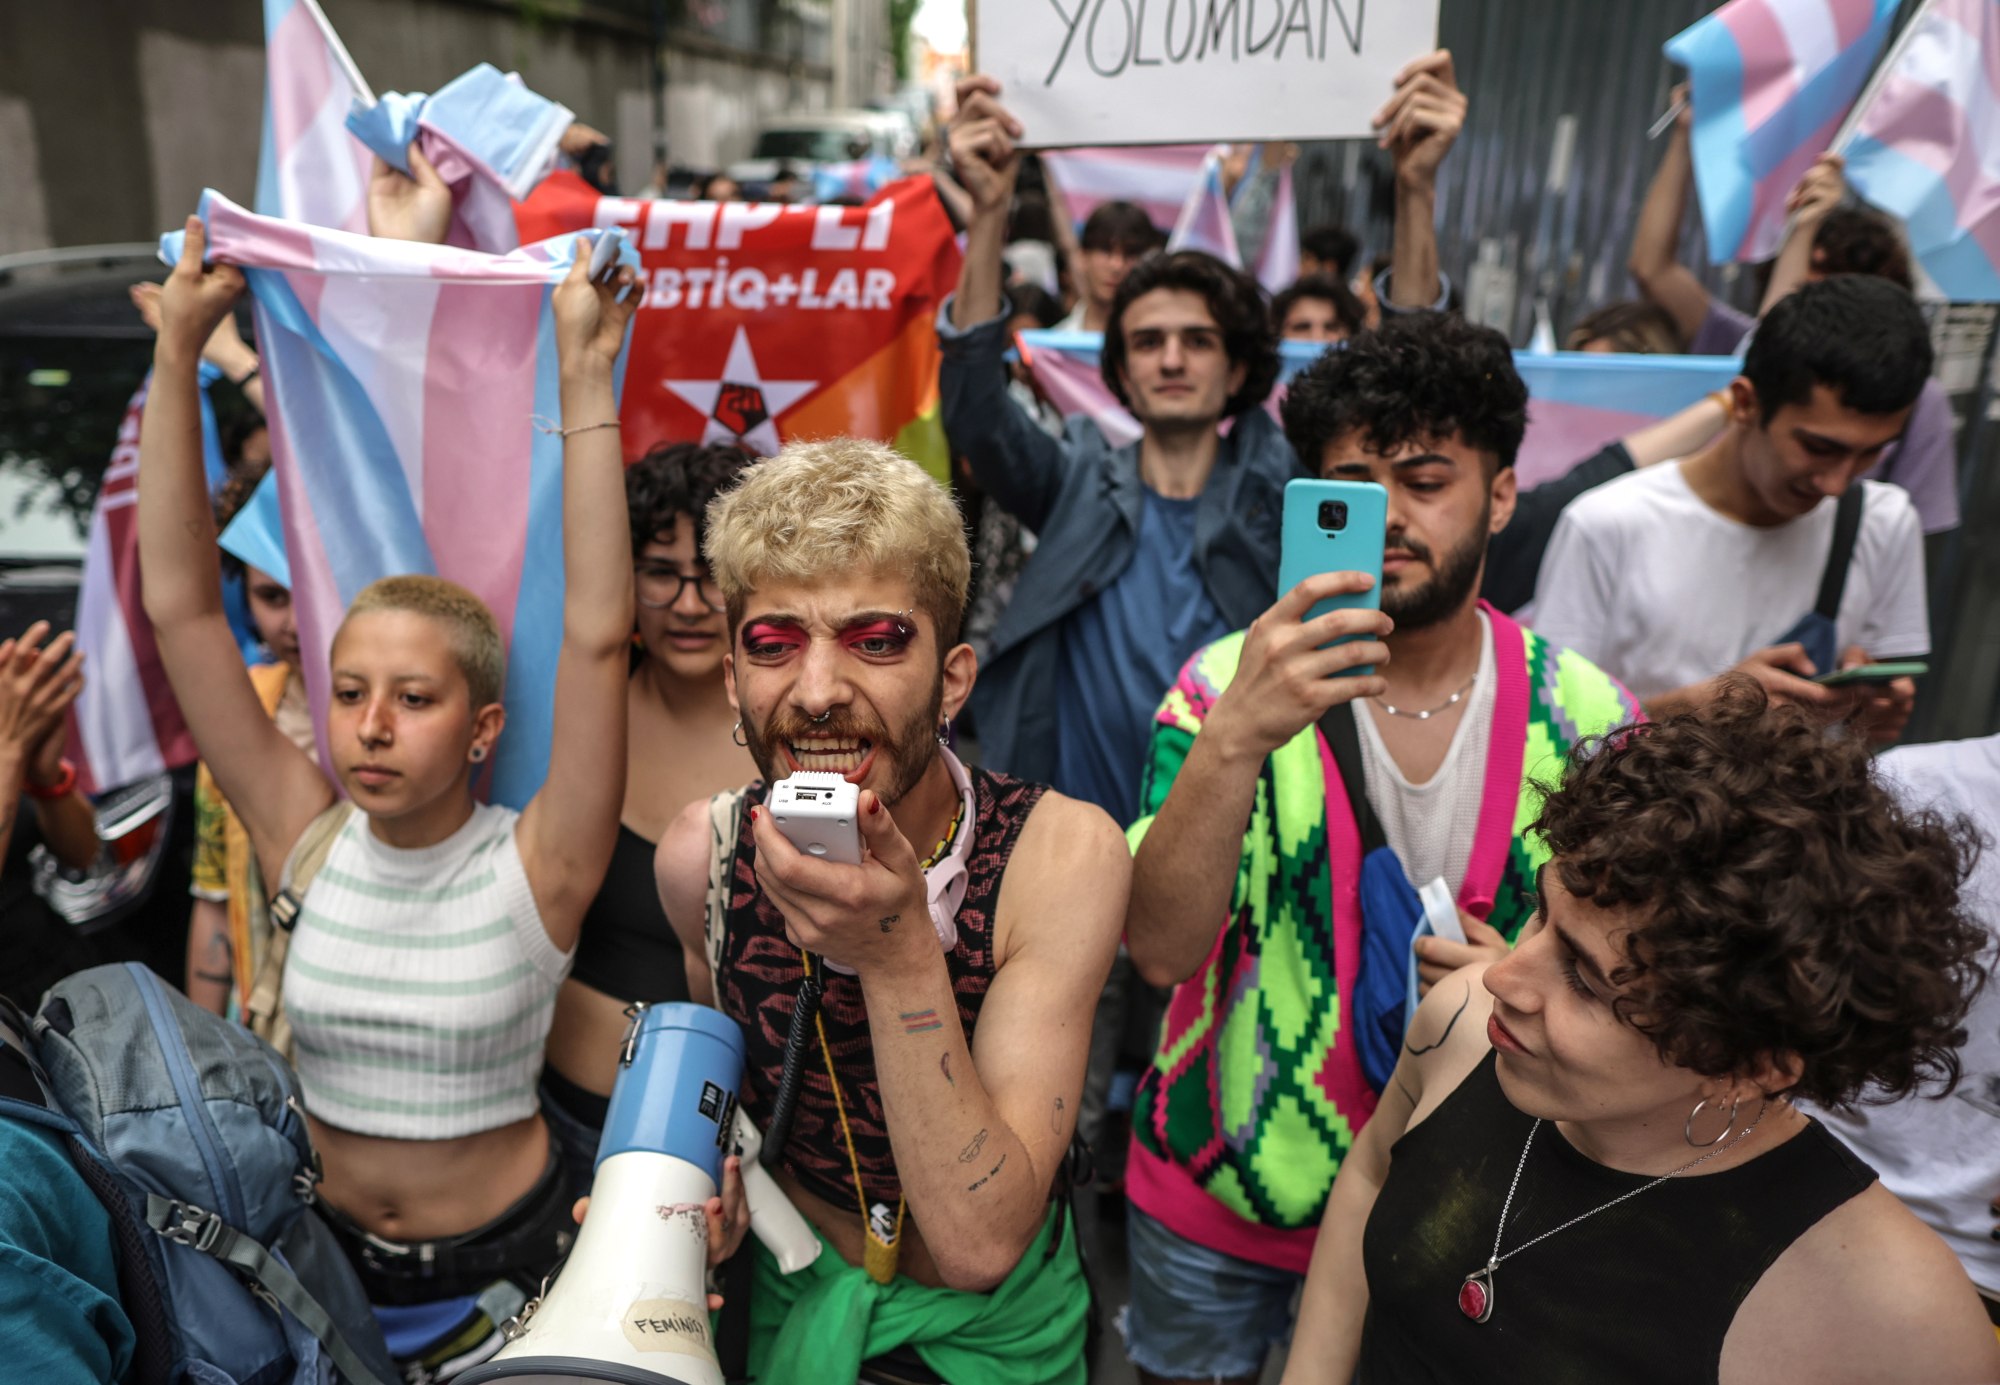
(421, 983)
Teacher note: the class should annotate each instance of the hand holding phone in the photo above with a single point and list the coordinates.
(1873, 673)
(1335, 526)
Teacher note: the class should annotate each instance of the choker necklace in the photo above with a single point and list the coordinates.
(1443, 706)
(1475, 1295)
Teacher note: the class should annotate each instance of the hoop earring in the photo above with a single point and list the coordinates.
(736, 734)
(478, 754)
(1687, 1131)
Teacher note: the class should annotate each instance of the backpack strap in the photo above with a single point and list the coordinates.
(1343, 738)
(188, 1225)
(725, 832)
(266, 1014)
(1846, 526)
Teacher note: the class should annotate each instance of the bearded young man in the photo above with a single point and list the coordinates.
(958, 963)
(1258, 1088)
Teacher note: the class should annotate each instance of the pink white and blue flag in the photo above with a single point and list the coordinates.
(404, 382)
(1155, 178)
(1772, 81)
(1203, 222)
(1577, 400)
(1925, 144)
(311, 168)
(1278, 261)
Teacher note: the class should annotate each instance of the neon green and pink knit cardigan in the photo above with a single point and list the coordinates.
(1255, 1094)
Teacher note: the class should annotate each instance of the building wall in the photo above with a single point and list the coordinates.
(114, 114)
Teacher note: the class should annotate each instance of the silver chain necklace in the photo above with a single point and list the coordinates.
(1475, 1295)
(1443, 706)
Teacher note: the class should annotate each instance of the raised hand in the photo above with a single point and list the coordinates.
(983, 153)
(37, 686)
(591, 318)
(1285, 681)
(195, 298)
(1420, 122)
(413, 206)
(1819, 191)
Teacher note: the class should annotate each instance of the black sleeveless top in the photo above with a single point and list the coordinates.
(1644, 1292)
(626, 948)
(760, 975)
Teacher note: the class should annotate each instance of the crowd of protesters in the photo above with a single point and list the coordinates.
(1135, 819)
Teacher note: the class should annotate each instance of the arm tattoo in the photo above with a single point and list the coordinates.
(971, 1151)
(944, 1066)
(1056, 1117)
(1416, 1052)
(920, 1021)
(975, 1187)
(886, 924)
(1403, 1087)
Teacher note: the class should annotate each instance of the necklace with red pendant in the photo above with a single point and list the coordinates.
(1476, 1296)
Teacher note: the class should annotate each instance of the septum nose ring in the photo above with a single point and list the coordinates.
(823, 717)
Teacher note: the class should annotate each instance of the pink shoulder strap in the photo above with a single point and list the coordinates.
(1500, 799)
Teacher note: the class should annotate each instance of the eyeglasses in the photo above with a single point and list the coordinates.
(661, 587)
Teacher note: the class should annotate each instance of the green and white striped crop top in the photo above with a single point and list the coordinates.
(420, 984)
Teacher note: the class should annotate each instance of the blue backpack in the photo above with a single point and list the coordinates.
(190, 1131)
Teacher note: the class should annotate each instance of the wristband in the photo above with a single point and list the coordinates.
(65, 781)
(252, 374)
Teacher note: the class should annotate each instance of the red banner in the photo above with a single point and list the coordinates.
(764, 323)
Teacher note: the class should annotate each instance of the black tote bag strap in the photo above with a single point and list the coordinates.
(1343, 738)
(1846, 526)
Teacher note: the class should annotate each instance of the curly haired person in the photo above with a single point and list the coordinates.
(1589, 1166)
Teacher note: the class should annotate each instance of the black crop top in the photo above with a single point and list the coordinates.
(627, 949)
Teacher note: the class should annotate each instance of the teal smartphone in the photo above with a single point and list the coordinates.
(1873, 673)
(1334, 526)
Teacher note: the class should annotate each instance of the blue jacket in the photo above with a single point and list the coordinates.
(1082, 498)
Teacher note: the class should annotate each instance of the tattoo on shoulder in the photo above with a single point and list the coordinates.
(971, 1151)
(944, 1066)
(890, 922)
(1056, 1117)
(975, 1187)
(1449, 1024)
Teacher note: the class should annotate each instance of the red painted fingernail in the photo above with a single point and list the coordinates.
(753, 815)
(874, 806)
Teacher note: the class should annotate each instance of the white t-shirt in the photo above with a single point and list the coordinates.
(1654, 586)
(1431, 825)
(1941, 1156)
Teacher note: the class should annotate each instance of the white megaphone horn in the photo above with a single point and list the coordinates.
(631, 1305)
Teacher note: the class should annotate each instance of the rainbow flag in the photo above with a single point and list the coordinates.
(404, 385)
(766, 322)
(1926, 144)
(1772, 81)
(1578, 400)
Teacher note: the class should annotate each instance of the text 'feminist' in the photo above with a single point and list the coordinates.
(1116, 34)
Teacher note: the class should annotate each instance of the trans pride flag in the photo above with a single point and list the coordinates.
(1772, 81)
(311, 169)
(1156, 178)
(1577, 400)
(404, 382)
(1926, 144)
(1203, 222)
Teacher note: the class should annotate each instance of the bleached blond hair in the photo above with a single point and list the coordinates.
(468, 625)
(817, 509)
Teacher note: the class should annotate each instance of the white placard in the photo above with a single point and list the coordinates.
(1192, 71)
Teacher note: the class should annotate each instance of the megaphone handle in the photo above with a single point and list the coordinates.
(798, 1038)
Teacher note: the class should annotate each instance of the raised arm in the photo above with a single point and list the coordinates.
(1655, 260)
(1184, 871)
(1418, 125)
(568, 831)
(1012, 459)
(37, 687)
(274, 786)
(987, 164)
(1816, 194)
